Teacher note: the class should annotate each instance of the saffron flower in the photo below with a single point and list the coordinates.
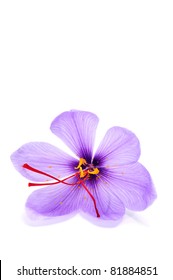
(102, 185)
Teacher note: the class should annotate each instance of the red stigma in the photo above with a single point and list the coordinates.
(77, 174)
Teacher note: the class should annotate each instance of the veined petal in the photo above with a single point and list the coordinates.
(44, 157)
(108, 204)
(55, 200)
(132, 184)
(61, 200)
(77, 130)
(119, 146)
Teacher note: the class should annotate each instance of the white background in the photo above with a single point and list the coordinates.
(113, 58)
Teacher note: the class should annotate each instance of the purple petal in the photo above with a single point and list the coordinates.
(108, 204)
(44, 157)
(132, 184)
(62, 199)
(77, 130)
(119, 146)
(55, 200)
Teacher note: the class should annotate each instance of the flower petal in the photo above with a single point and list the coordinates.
(55, 200)
(108, 204)
(119, 146)
(62, 199)
(132, 184)
(44, 157)
(77, 130)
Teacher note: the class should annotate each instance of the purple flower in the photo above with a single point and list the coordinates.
(102, 185)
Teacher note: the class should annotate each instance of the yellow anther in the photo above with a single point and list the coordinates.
(82, 161)
(82, 172)
(95, 171)
(86, 170)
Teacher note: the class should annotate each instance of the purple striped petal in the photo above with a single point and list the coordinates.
(55, 200)
(61, 200)
(119, 146)
(108, 204)
(77, 130)
(44, 157)
(132, 184)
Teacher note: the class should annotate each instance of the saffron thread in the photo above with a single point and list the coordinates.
(93, 199)
(27, 166)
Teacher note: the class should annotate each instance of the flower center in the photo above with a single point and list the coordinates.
(86, 169)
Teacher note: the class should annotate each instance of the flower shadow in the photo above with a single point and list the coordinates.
(136, 218)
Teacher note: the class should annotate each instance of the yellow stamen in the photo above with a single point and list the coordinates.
(95, 171)
(84, 172)
(81, 172)
(82, 161)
